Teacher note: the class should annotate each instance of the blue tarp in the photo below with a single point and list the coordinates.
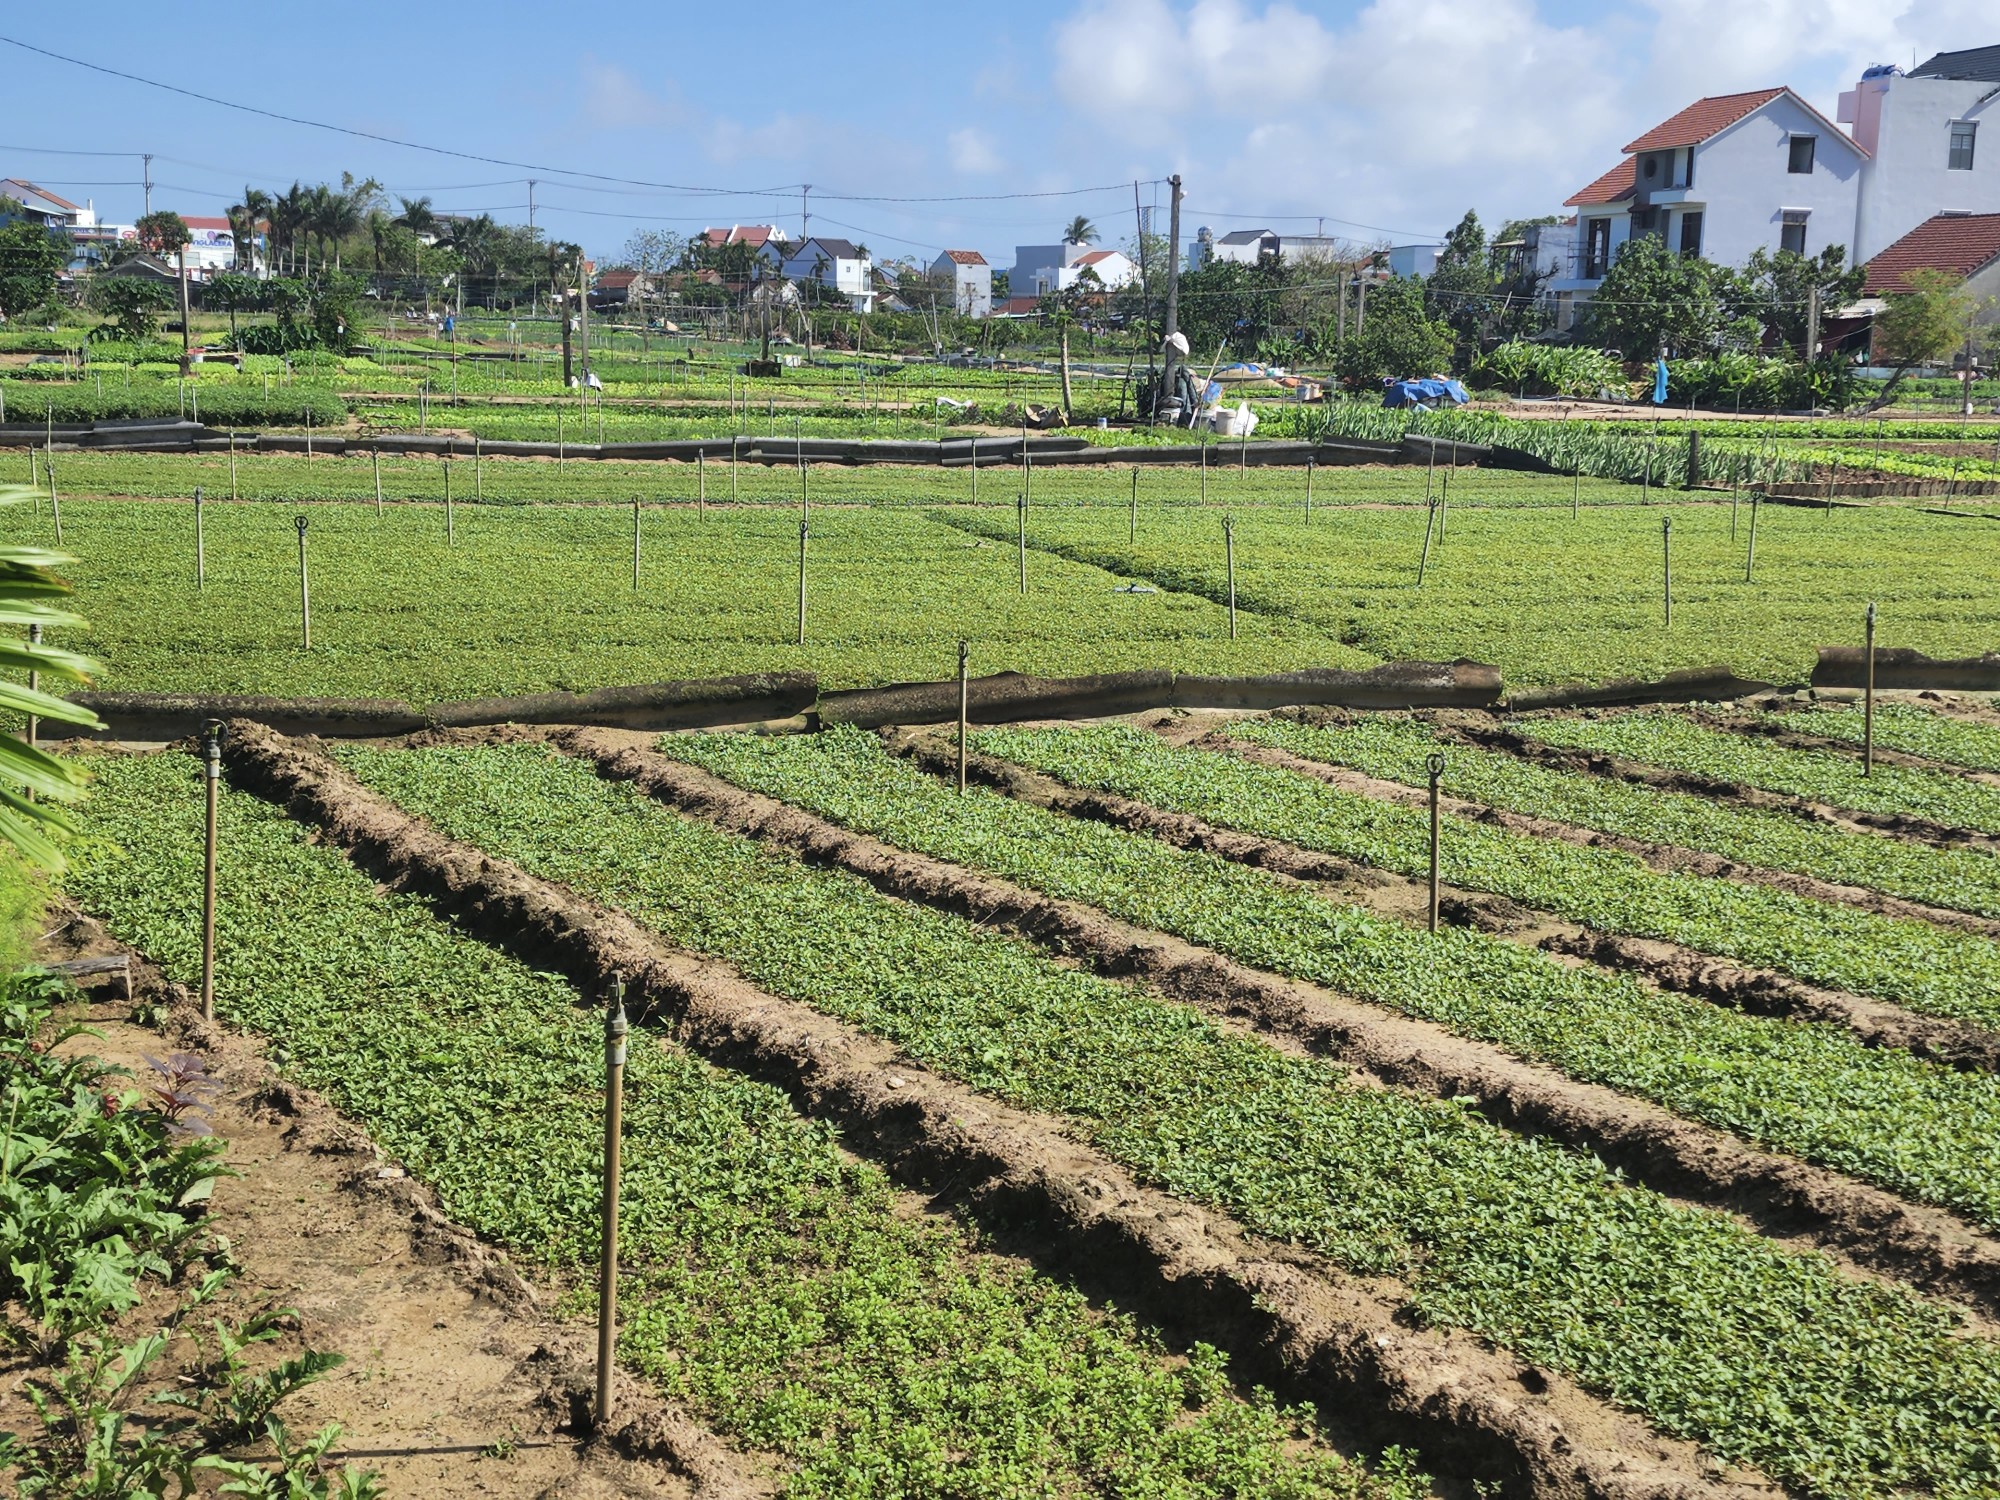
(1423, 392)
(1660, 383)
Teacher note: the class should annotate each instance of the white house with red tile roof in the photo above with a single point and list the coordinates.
(1727, 176)
(971, 280)
(838, 264)
(756, 236)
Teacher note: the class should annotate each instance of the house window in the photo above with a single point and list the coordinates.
(1596, 249)
(1691, 234)
(1963, 133)
(1802, 153)
(1792, 231)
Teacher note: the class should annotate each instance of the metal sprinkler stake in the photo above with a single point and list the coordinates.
(615, 1029)
(1435, 765)
(211, 734)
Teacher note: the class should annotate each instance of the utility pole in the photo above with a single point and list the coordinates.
(805, 212)
(531, 202)
(1173, 318)
(1360, 303)
(1812, 324)
(147, 158)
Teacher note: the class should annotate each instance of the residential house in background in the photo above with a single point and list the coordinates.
(1413, 260)
(1038, 268)
(971, 281)
(619, 289)
(838, 265)
(1725, 177)
(1241, 246)
(1922, 132)
(91, 240)
(1966, 245)
(756, 236)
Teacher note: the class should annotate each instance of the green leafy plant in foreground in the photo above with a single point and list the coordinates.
(1838, 1387)
(775, 1287)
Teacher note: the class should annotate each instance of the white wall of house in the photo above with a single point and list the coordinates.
(1037, 268)
(1907, 124)
(971, 286)
(1414, 260)
(852, 276)
(1743, 186)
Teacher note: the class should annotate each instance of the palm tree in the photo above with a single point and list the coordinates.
(288, 217)
(243, 220)
(1080, 232)
(417, 216)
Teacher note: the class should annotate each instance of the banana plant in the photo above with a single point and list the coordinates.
(33, 783)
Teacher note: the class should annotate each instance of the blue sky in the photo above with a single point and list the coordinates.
(1387, 118)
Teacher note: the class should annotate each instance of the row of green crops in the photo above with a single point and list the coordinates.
(219, 405)
(1680, 744)
(530, 599)
(1935, 970)
(774, 1287)
(1550, 599)
(1396, 749)
(1809, 1089)
(1838, 1387)
(1905, 727)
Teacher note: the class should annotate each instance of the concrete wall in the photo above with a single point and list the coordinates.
(1909, 122)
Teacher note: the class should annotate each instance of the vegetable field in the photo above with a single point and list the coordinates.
(783, 1288)
(525, 579)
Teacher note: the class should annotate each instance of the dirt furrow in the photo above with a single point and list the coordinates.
(1867, 1226)
(1799, 739)
(1668, 858)
(1489, 734)
(1312, 1333)
(1671, 965)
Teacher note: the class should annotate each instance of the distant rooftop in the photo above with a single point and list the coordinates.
(1702, 119)
(1957, 244)
(1617, 184)
(1976, 64)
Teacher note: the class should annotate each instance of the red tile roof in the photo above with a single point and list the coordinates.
(1618, 183)
(1702, 119)
(1958, 243)
(201, 221)
(753, 235)
(967, 257)
(611, 281)
(1095, 257)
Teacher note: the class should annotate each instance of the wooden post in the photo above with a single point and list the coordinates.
(1667, 566)
(700, 482)
(34, 686)
(1832, 479)
(1868, 697)
(964, 706)
(450, 532)
(1423, 560)
(635, 544)
(733, 438)
(1735, 493)
(1309, 492)
(1021, 519)
(211, 735)
(1435, 765)
(309, 437)
(1204, 468)
(478, 471)
(1132, 528)
(232, 463)
(1750, 560)
(1444, 503)
(803, 526)
(1229, 563)
(1576, 492)
(562, 451)
(615, 1030)
(376, 455)
(55, 501)
(200, 549)
(305, 589)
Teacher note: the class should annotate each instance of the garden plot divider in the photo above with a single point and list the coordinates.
(795, 700)
(1901, 668)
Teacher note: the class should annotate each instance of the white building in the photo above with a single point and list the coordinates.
(1413, 260)
(1922, 134)
(1038, 268)
(836, 264)
(971, 281)
(1725, 177)
(1244, 246)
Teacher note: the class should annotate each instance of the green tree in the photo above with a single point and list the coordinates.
(1656, 301)
(233, 292)
(132, 303)
(1398, 338)
(1922, 324)
(31, 259)
(1777, 289)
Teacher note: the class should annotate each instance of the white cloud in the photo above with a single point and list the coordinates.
(613, 99)
(973, 153)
